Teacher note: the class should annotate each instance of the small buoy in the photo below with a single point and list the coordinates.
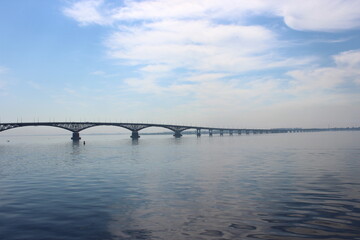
(84, 142)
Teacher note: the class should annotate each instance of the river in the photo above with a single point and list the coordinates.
(265, 186)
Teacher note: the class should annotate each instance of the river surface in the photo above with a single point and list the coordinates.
(268, 186)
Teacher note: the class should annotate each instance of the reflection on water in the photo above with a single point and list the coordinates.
(284, 186)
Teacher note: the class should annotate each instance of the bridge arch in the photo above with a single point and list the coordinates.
(16, 126)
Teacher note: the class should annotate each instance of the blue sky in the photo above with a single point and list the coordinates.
(256, 63)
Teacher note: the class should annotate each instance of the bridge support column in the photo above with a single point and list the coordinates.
(221, 132)
(135, 135)
(210, 132)
(247, 132)
(239, 132)
(177, 134)
(75, 136)
(198, 132)
(230, 132)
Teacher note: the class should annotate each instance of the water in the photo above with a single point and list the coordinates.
(271, 186)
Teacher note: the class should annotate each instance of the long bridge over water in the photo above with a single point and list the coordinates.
(77, 127)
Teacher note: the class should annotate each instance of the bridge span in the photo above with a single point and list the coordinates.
(77, 127)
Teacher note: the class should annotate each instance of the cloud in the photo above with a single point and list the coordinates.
(346, 71)
(318, 85)
(157, 68)
(348, 59)
(320, 15)
(195, 45)
(88, 12)
(208, 35)
(205, 77)
(159, 36)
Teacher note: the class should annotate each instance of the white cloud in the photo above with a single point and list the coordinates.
(205, 77)
(89, 12)
(208, 35)
(307, 87)
(348, 59)
(320, 15)
(308, 15)
(156, 68)
(345, 71)
(196, 45)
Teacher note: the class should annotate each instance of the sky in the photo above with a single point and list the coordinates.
(229, 63)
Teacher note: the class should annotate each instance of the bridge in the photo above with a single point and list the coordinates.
(77, 127)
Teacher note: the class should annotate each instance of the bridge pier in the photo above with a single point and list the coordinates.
(177, 134)
(210, 132)
(221, 132)
(230, 132)
(239, 132)
(247, 132)
(135, 135)
(198, 132)
(75, 136)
